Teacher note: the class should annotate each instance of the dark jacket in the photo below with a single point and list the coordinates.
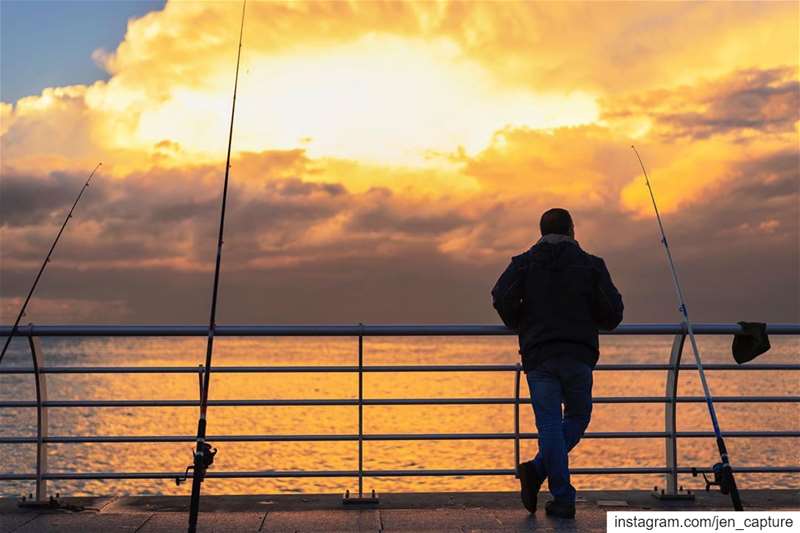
(557, 297)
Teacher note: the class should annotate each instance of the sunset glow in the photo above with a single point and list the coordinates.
(427, 135)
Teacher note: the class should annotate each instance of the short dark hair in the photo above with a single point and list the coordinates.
(556, 220)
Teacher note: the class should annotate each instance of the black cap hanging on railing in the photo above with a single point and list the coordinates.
(751, 342)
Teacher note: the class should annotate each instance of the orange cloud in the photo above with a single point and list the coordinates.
(381, 82)
(590, 163)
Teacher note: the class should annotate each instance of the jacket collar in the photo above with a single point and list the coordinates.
(555, 238)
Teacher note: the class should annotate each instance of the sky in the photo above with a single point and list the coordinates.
(390, 158)
(50, 43)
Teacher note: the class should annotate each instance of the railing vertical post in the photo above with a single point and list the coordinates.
(516, 418)
(360, 499)
(361, 412)
(671, 490)
(200, 370)
(37, 356)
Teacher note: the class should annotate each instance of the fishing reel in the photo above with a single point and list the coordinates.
(723, 478)
(203, 458)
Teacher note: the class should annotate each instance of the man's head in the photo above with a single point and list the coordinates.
(557, 221)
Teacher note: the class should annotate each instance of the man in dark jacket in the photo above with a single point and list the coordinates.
(557, 297)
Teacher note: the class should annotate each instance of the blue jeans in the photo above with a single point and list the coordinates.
(555, 381)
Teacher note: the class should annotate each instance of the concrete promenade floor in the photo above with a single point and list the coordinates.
(419, 512)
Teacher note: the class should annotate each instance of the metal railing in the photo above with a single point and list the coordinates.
(670, 470)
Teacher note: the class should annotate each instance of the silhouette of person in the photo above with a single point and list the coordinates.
(557, 297)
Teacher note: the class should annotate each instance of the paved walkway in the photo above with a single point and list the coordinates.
(440, 512)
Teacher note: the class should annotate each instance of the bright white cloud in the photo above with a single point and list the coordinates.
(378, 99)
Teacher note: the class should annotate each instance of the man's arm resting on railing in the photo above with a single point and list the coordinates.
(608, 305)
(507, 294)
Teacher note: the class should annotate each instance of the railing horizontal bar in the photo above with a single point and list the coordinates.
(381, 401)
(173, 475)
(77, 439)
(378, 473)
(379, 368)
(354, 330)
(739, 434)
(178, 369)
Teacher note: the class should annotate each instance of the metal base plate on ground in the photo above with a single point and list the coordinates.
(30, 502)
(681, 495)
(362, 500)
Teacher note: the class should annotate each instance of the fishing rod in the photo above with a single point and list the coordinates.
(723, 473)
(44, 265)
(204, 453)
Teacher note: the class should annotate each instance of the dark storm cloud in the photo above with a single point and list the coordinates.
(761, 100)
(170, 218)
(380, 210)
(26, 199)
(773, 177)
(181, 210)
(736, 250)
(297, 187)
(163, 215)
(286, 201)
(362, 270)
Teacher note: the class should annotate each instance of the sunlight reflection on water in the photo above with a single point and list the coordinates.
(378, 419)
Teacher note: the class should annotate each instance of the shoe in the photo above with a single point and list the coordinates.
(530, 484)
(560, 509)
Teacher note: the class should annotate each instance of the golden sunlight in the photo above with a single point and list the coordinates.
(380, 99)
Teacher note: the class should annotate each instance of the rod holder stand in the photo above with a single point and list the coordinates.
(722, 478)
